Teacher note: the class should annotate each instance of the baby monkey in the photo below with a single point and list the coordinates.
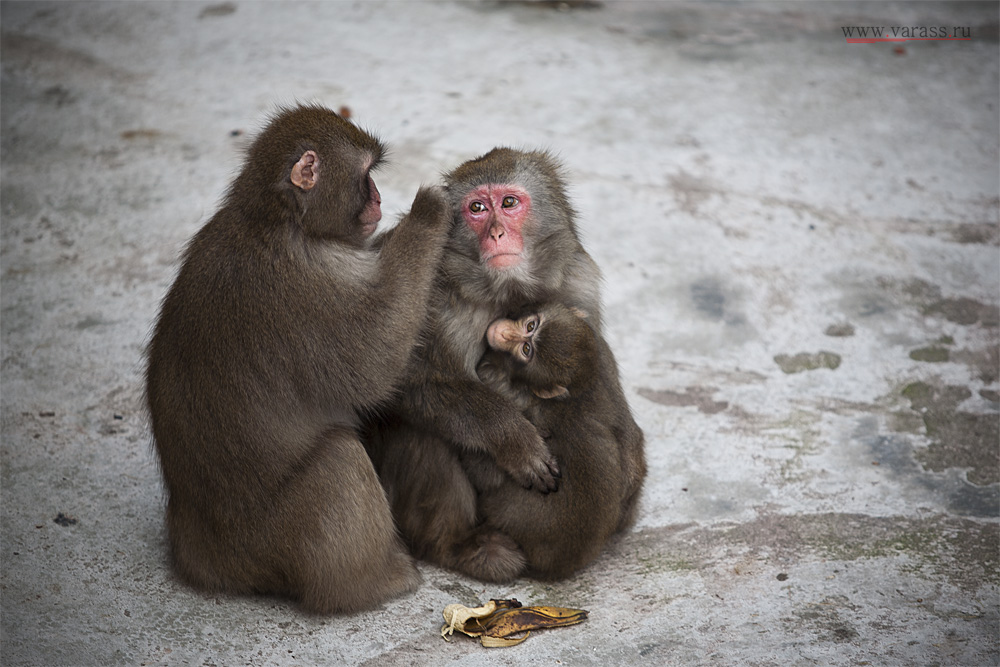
(564, 378)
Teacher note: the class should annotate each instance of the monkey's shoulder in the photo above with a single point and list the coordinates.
(230, 284)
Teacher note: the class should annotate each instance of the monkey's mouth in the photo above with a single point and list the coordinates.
(368, 228)
(503, 260)
(493, 337)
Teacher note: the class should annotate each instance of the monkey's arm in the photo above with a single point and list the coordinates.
(370, 343)
(497, 379)
(468, 413)
(409, 256)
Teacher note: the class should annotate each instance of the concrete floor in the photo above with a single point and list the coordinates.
(800, 243)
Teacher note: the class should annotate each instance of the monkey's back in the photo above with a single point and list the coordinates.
(216, 348)
(281, 326)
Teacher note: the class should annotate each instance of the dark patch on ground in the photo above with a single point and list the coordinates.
(886, 298)
(18, 202)
(807, 362)
(964, 311)
(689, 191)
(825, 619)
(960, 439)
(141, 133)
(967, 499)
(896, 457)
(905, 421)
(559, 5)
(38, 54)
(842, 330)
(222, 9)
(890, 294)
(932, 354)
(58, 96)
(985, 233)
(91, 321)
(699, 397)
(715, 300)
(915, 287)
(985, 362)
(709, 298)
(965, 552)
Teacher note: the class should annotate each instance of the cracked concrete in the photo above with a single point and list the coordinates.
(801, 244)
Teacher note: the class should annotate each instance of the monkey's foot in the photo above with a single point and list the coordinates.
(490, 556)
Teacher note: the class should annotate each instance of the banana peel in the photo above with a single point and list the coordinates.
(501, 622)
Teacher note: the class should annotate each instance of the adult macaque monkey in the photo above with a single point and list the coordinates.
(513, 241)
(280, 328)
(563, 376)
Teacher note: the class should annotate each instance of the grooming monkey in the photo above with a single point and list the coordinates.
(280, 331)
(513, 242)
(564, 378)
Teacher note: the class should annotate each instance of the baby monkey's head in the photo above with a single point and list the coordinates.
(548, 348)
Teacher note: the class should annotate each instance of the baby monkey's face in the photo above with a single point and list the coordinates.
(515, 337)
(545, 347)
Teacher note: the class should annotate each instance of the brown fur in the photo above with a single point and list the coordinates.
(279, 330)
(444, 411)
(589, 429)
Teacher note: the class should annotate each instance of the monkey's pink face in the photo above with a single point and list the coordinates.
(496, 213)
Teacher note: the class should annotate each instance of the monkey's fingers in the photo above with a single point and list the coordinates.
(533, 474)
(430, 206)
(541, 479)
(550, 476)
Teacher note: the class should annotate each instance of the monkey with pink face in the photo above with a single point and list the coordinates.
(513, 242)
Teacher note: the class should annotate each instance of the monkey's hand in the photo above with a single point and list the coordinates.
(430, 207)
(527, 459)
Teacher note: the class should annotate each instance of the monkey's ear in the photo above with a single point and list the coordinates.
(557, 391)
(305, 173)
(579, 312)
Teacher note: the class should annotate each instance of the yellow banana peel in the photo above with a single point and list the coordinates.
(501, 622)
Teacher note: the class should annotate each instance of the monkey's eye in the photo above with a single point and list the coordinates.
(509, 201)
(526, 350)
(477, 207)
(530, 326)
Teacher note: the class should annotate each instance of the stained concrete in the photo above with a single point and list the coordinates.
(762, 197)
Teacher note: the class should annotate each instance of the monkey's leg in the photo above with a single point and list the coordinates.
(435, 506)
(343, 552)
(207, 552)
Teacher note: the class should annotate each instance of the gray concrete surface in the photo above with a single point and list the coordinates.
(800, 242)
